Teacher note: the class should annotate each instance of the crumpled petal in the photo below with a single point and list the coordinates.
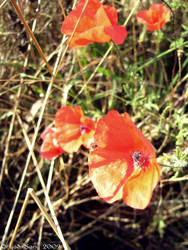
(49, 148)
(117, 33)
(95, 34)
(67, 123)
(92, 24)
(155, 17)
(123, 164)
(73, 129)
(111, 13)
(138, 188)
(108, 179)
(142, 17)
(118, 133)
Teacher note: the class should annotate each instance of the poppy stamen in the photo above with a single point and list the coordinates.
(83, 129)
(93, 146)
(140, 160)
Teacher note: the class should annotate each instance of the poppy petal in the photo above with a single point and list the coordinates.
(142, 17)
(92, 24)
(68, 114)
(118, 133)
(123, 163)
(72, 145)
(86, 21)
(155, 17)
(117, 33)
(101, 18)
(138, 188)
(49, 150)
(111, 13)
(73, 129)
(107, 180)
(91, 8)
(67, 123)
(95, 34)
(67, 133)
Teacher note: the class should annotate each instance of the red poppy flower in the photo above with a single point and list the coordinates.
(97, 24)
(50, 149)
(73, 129)
(155, 17)
(123, 164)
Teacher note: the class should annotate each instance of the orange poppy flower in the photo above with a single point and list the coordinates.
(73, 129)
(155, 17)
(49, 148)
(97, 24)
(123, 164)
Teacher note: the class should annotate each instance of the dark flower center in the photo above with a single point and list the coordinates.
(84, 129)
(93, 146)
(140, 159)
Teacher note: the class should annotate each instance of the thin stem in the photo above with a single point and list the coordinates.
(31, 35)
(160, 56)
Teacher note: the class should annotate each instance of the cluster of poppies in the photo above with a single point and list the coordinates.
(91, 21)
(122, 162)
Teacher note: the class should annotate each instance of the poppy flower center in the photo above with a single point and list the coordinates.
(140, 159)
(83, 129)
(93, 146)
